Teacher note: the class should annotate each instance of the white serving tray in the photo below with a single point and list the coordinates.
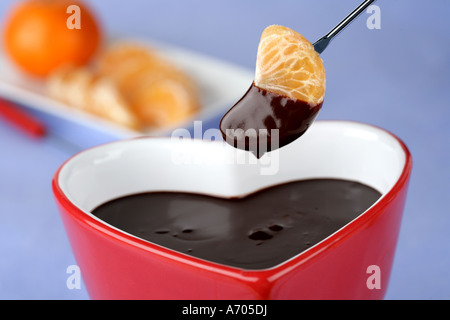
(221, 84)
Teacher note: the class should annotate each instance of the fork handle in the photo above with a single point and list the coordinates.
(21, 119)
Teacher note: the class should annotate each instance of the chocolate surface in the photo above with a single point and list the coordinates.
(258, 231)
(262, 121)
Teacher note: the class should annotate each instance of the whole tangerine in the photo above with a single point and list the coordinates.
(38, 38)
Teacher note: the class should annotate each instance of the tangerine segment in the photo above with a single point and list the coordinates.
(83, 90)
(163, 102)
(123, 62)
(287, 64)
(158, 92)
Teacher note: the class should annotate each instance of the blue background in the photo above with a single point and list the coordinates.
(396, 77)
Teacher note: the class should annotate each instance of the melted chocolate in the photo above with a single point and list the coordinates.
(252, 122)
(258, 231)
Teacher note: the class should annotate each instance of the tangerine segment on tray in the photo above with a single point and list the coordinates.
(83, 90)
(287, 64)
(158, 92)
(143, 90)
